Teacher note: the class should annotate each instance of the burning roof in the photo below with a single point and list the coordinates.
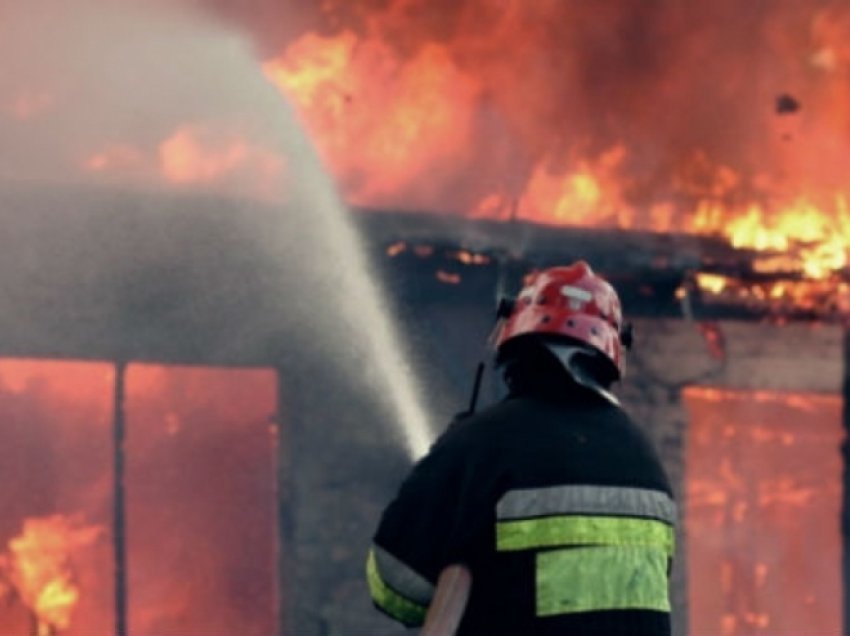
(717, 121)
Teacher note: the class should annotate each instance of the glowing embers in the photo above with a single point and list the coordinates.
(763, 473)
(449, 260)
(827, 298)
(200, 500)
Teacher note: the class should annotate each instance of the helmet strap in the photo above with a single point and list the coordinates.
(574, 361)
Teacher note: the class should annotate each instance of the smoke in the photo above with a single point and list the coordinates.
(164, 98)
(119, 94)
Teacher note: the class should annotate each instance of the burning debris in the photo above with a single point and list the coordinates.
(705, 277)
(786, 104)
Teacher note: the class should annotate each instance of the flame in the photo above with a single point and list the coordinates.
(555, 113)
(186, 159)
(56, 457)
(40, 563)
(411, 116)
(196, 155)
(712, 282)
(826, 297)
(821, 236)
(383, 124)
(589, 193)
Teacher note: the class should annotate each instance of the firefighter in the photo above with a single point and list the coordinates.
(552, 500)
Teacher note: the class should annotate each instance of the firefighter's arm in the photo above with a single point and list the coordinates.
(449, 602)
(428, 527)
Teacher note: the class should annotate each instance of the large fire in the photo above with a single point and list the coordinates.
(716, 119)
(538, 112)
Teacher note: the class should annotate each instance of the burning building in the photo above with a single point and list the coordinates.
(199, 399)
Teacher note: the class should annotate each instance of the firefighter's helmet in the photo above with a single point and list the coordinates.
(571, 305)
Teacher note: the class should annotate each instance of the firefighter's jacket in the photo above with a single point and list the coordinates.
(557, 505)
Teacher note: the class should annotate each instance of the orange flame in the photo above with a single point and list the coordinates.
(40, 567)
(185, 159)
(589, 193)
(539, 112)
(382, 124)
(197, 155)
(402, 124)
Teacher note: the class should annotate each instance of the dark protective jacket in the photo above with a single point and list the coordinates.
(557, 504)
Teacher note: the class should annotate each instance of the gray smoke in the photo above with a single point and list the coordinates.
(93, 101)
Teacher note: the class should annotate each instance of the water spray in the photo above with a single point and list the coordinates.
(213, 81)
(352, 284)
(362, 301)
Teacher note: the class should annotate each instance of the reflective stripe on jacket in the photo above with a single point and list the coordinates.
(613, 544)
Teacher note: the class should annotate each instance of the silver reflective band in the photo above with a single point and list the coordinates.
(613, 500)
(576, 292)
(402, 578)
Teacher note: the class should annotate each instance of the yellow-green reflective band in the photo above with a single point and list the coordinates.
(389, 600)
(529, 534)
(601, 578)
(401, 577)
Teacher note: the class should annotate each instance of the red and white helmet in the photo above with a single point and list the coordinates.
(570, 303)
